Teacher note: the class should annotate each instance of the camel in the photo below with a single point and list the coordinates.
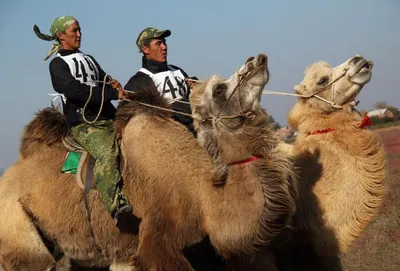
(239, 195)
(342, 167)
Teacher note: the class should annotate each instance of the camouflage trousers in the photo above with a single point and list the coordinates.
(100, 142)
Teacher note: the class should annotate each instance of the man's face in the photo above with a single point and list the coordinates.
(71, 39)
(157, 50)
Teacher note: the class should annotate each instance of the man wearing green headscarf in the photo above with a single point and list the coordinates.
(73, 74)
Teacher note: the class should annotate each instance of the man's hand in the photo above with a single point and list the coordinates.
(121, 93)
(189, 82)
(115, 84)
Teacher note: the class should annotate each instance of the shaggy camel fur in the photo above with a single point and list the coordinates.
(342, 168)
(174, 186)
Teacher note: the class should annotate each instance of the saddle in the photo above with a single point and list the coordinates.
(78, 161)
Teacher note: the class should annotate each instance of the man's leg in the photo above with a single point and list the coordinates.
(99, 141)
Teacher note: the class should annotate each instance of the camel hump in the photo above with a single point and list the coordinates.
(47, 127)
(144, 100)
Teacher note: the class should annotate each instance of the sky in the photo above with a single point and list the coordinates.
(208, 37)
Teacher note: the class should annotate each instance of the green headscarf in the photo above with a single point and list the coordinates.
(60, 24)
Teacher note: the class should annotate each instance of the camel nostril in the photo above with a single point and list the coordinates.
(356, 59)
(249, 59)
(262, 59)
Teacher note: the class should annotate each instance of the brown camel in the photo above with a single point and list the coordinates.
(342, 166)
(180, 192)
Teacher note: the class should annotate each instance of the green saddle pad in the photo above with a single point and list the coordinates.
(71, 163)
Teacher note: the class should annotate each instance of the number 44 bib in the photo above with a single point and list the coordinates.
(82, 68)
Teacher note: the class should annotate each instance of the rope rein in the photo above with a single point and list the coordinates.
(332, 103)
(218, 116)
(102, 100)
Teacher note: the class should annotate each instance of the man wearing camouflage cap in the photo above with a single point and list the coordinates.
(171, 81)
(74, 74)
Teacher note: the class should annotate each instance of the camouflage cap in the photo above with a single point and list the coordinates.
(150, 33)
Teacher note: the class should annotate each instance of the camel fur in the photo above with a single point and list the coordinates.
(180, 194)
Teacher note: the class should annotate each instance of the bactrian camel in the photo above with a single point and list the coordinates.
(234, 187)
(342, 167)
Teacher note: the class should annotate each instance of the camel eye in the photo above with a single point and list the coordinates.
(323, 80)
(219, 90)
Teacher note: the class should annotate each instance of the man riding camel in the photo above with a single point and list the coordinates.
(171, 81)
(73, 73)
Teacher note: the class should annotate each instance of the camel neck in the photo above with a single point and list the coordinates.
(238, 149)
(364, 123)
(322, 131)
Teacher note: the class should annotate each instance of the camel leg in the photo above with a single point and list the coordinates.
(24, 251)
(154, 254)
(28, 257)
(21, 246)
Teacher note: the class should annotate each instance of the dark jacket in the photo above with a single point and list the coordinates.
(77, 93)
(141, 80)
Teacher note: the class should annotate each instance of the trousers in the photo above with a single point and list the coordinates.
(100, 142)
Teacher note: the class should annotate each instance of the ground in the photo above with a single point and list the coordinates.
(378, 247)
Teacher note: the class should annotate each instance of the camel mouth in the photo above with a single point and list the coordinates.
(360, 64)
(258, 66)
(359, 74)
(254, 65)
(368, 65)
(365, 66)
(360, 70)
(262, 60)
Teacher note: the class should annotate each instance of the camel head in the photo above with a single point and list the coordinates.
(231, 103)
(338, 86)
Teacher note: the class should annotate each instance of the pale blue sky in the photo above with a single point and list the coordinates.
(208, 37)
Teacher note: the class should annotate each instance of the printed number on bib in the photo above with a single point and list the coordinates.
(169, 87)
(80, 70)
